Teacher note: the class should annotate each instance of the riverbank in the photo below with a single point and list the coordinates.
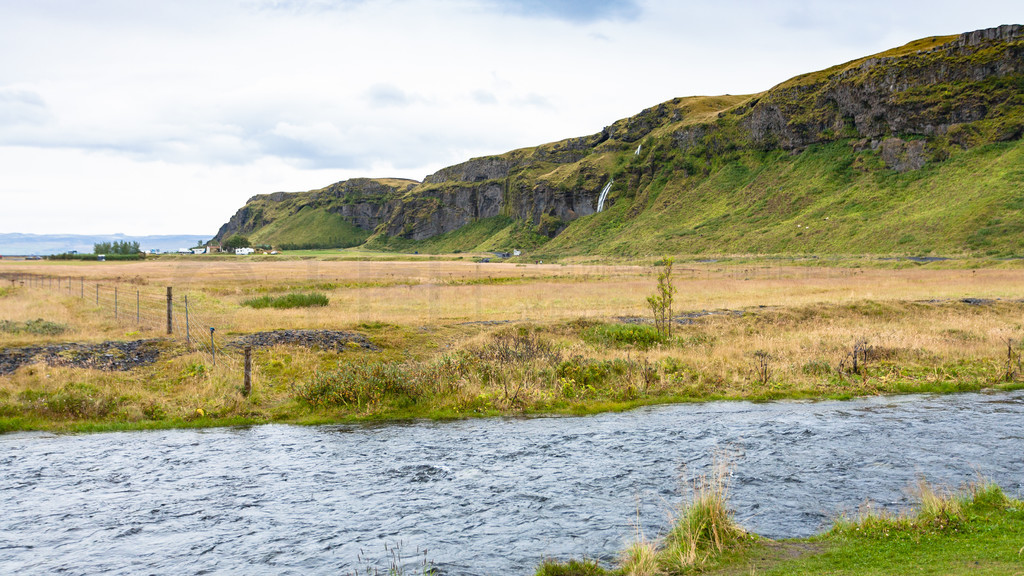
(403, 340)
(978, 530)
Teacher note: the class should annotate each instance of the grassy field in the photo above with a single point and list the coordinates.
(458, 339)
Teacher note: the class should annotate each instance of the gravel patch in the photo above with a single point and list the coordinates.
(109, 356)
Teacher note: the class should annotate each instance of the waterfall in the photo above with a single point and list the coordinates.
(637, 153)
(604, 194)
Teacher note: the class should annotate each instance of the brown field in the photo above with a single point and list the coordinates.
(804, 320)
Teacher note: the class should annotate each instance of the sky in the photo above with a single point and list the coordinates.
(164, 117)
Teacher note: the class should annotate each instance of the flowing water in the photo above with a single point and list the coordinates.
(604, 194)
(483, 497)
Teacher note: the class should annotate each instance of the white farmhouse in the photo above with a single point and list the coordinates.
(243, 251)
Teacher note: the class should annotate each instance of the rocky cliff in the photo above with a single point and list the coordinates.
(362, 203)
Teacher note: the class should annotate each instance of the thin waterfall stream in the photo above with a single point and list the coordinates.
(604, 194)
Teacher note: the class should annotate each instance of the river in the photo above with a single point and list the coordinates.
(481, 496)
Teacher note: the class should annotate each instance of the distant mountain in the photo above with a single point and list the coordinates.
(43, 244)
(916, 150)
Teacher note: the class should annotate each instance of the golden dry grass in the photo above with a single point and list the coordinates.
(806, 320)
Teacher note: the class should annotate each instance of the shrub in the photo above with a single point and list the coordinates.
(79, 401)
(360, 385)
(236, 241)
(639, 335)
(37, 326)
(661, 302)
(293, 300)
(518, 347)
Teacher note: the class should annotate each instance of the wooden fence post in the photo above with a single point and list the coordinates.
(247, 386)
(170, 316)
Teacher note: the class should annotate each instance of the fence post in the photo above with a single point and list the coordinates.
(188, 336)
(169, 313)
(247, 385)
(213, 347)
(137, 298)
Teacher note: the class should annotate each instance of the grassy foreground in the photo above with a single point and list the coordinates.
(454, 339)
(978, 530)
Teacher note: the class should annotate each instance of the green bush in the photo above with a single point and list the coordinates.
(639, 335)
(293, 300)
(38, 326)
(359, 384)
(236, 241)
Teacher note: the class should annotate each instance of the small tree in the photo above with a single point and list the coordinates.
(236, 241)
(661, 301)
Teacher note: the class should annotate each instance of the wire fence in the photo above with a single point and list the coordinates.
(146, 308)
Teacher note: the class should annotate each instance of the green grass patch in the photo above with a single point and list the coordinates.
(38, 327)
(639, 335)
(293, 300)
(310, 228)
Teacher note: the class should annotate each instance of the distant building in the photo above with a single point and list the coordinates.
(202, 250)
(243, 251)
(184, 251)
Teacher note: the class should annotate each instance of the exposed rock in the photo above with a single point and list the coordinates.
(322, 339)
(902, 156)
(445, 209)
(475, 170)
(111, 356)
(363, 202)
(869, 99)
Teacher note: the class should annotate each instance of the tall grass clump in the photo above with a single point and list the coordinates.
(704, 527)
(640, 558)
(570, 568)
(364, 384)
(293, 300)
(939, 511)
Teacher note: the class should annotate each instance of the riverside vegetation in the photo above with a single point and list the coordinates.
(455, 339)
(976, 530)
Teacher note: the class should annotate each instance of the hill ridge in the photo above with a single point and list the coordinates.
(917, 110)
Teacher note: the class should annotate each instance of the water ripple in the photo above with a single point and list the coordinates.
(482, 496)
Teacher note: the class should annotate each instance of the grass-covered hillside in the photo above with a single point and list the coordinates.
(916, 150)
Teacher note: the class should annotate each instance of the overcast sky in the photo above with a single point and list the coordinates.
(163, 117)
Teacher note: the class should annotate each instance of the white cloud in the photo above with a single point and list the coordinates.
(208, 103)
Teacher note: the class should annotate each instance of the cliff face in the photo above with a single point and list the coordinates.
(364, 203)
(920, 93)
(909, 107)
